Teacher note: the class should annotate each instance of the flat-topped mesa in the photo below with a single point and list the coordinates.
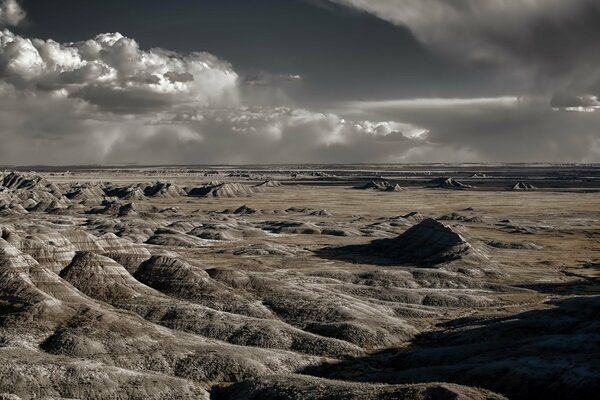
(448, 183)
(427, 243)
(216, 189)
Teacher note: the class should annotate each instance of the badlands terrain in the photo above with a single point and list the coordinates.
(300, 282)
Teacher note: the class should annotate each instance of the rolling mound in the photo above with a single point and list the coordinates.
(50, 377)
(103, 278)
(216, 189)
(427, 243)
(448, 183)
(523, 186)
(164, 189)
(382, 186)
(300, 388)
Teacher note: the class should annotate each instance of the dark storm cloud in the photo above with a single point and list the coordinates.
(556, 41)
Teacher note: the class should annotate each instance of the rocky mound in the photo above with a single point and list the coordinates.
(523, 186)
(459, 217)
(226, 230)
(132, 192)
(448, 183)
(265, 249)
(266, 185)
(308, 211)
(301, 388)
(49, 249)
(103, 278)
(128, 210)
(115, 208)
(42, 311)
(291, 227)
(382, 186)
(413, 216)
(430, 242)
(26, 372)
(304, 228)
(181, 280)
(427, 243)
(216, 189)
(164, 189)
(17, 180)
(85, 192)
(12, 208)
(513, 245)
(174, 238)
(245, 210)
(16, 287)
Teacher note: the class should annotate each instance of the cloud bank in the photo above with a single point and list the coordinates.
(107, 100)
(555, 42)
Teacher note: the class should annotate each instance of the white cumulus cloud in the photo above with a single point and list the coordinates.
(113, 73)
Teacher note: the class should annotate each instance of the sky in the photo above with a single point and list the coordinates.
(299, 81)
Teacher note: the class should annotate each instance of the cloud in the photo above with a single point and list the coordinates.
(47, 129)
(574, 103)
(106, 100)
(499, 129)
(263, 79)
(553, 41)
(113, 73)
(290, 135)
(11, 13)
(433, 103)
